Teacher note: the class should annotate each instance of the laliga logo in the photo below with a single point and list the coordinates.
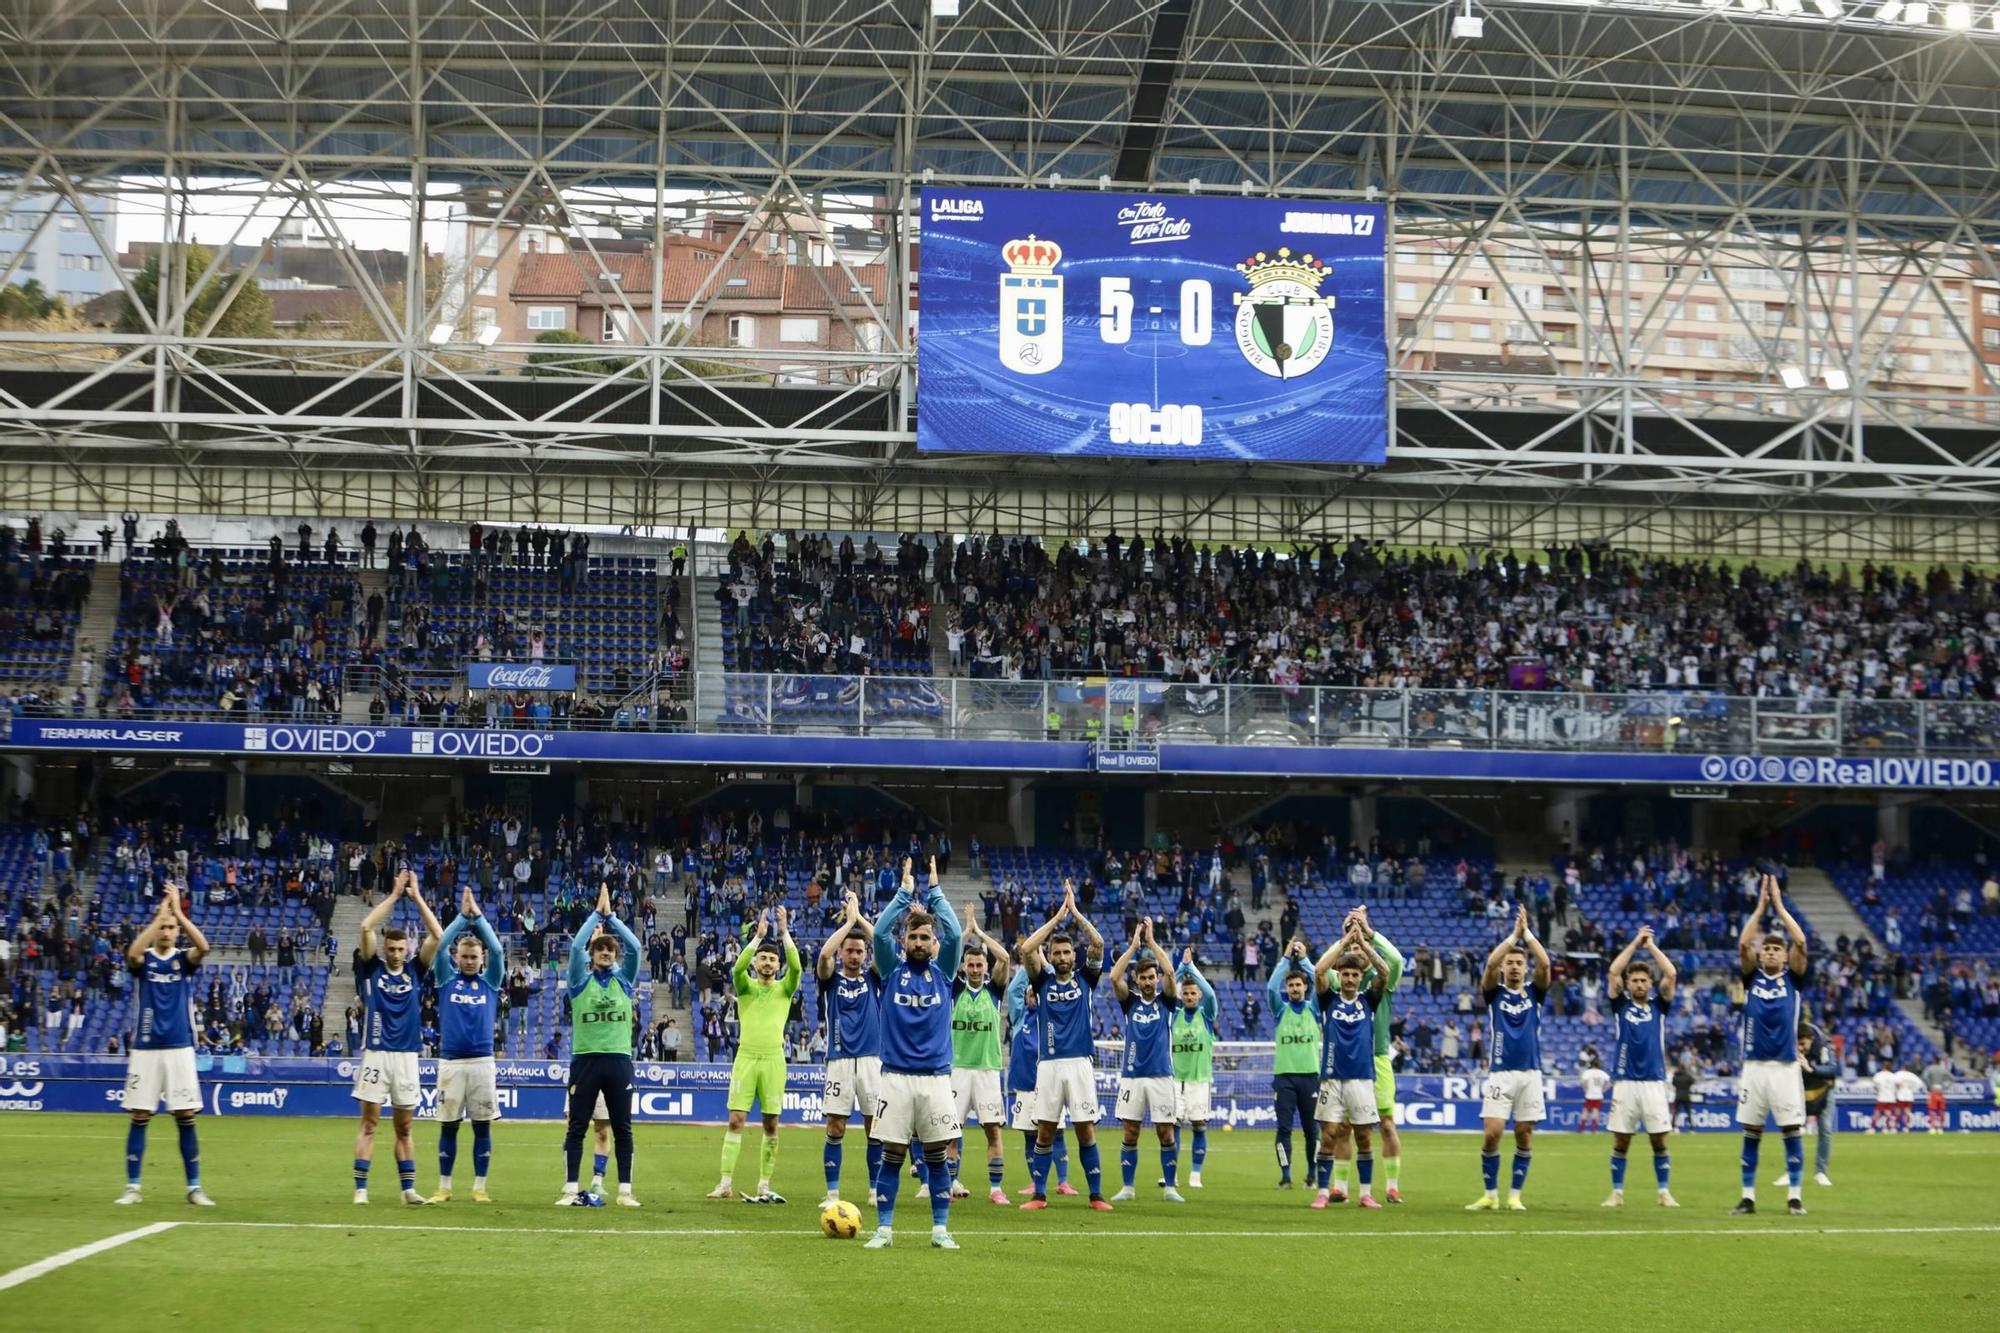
(1284, 327)
(521, 678)
(1031, 297)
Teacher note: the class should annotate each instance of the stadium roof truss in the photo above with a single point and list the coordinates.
(1568, 141)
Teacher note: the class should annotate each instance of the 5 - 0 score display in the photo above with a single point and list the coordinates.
(1151, 326)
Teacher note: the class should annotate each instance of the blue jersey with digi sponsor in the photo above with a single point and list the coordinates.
(468, 1009)
(395, 1005)
(1065, 1007)
(1641, 1055)
(1148, 1043)
(165, 1018)
(916, 1020)
(1348, 1050)
(1515, 1019)
(851, 1008)
(1771, 1009)
(1024, 1051)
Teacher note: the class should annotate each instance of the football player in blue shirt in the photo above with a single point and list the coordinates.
(1641, 993)
(1024, 1054)
(1775, 969)
(1065, 1080)
(850, 1006)
(161, 1066)
(391, 1032)
(1346, 1107)
(1514, 1074)
(469, 970)
(1146, 1075)
(916, 1051)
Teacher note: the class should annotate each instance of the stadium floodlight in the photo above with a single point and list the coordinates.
(1716, 4)
(1792, 377)
(1917, 15)
(1888, 10)
(1468, 26)
(274, 6)
(1830, 8)
(1958, 17)
(944, 9)
(440, 335)
(1752, 6)
(1835, 379)
(1993, 20)
(488, 335)
(1788, 7)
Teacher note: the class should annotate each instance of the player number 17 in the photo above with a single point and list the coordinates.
(1115, 309)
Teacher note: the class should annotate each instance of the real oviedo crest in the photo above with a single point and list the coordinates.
(1031, 307)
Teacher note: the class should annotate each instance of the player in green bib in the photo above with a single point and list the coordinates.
(603, 970)
(1192, 1032)
(1295, 1061)
(977, 994)
(1385, 1067)
(764, 989)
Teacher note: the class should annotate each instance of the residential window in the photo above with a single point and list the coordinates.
(1707, 347)
(868, 336)
(1675, 347)
(489, 281)
(1406, 291)
(795, 330)
(1444, 330)
(742, 331)
(1705, 312)
(489, 243)
(1481, 295)
(1990, 337)
(1920, 362)
(1920, 326)
(548, 317)
(617, 326)
(1480, 333)
(1990, 302)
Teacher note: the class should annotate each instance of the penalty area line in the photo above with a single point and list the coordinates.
(1454, 1233)
(49, 1265)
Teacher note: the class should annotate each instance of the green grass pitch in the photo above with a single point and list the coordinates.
(1908, 1237)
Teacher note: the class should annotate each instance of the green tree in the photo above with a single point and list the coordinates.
(248, 314)
(542, 364)
(28, 301)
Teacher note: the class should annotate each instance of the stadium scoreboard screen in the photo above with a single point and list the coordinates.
(1151, 326)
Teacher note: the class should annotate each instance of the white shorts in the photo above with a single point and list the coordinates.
(1639, 1106)
(1143, 1099)
(1773, 1088)
(388, 1076)
(975, 1095)
(1066, 1087)
(1513, 1092)
(467, 1090)
(1191, 1101)
(914, 1106)
(152, 1077)
(1347, 1101)
(853, 1086)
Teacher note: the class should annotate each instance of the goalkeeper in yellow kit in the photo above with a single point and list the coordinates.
(763, 1000)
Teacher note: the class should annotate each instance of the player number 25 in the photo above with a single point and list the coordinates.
(1115, 307)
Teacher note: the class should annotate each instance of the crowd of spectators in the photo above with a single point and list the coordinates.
(802, 604)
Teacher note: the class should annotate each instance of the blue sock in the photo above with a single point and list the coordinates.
(482, 1148)
(1750, 1146)
(406, 1172)
(361, 1173)
(940, 1181)
(874, 1161)
(1522, 1161)
(1062, 1159)
(1618, 1169)
(1795, 1160)
(135, 1150)
(1128, 1164)
(917, 1161)
(1489, 1168)
(1039, 1165)
(831, 1158)
(1170, 1163)
(1663, 1168)
(1284, 1154)
(996, 1171)
(191, 1152)
(1028, 1153)
(1364, 1168)
(447, 1147)
(1200, 1149)
(886, 1186)
(1323, 1173)
(1093, 1168)
(598, 1161)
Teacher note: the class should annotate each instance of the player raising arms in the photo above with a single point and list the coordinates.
(1346, 1106)
(1640, 993)
(1774, 971)
(977, 994)
(603, 972)
(1295, 1019)
(469, 971)
(1146, 1075)
(161, 1066)
(1385, 1065)
(916, 1051)
(392, 1032)
(1024, 1055)
(765, 982)
(1065, 1082)
(1514, 1073)
(1193, 1032)
(850, 996)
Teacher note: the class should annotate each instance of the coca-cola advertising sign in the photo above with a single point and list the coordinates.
(519, 676)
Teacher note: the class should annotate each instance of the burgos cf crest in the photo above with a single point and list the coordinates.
(1283, 325)
(1031, 307)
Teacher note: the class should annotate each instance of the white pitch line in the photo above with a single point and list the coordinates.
(1330, 1233)
(81, 1252)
